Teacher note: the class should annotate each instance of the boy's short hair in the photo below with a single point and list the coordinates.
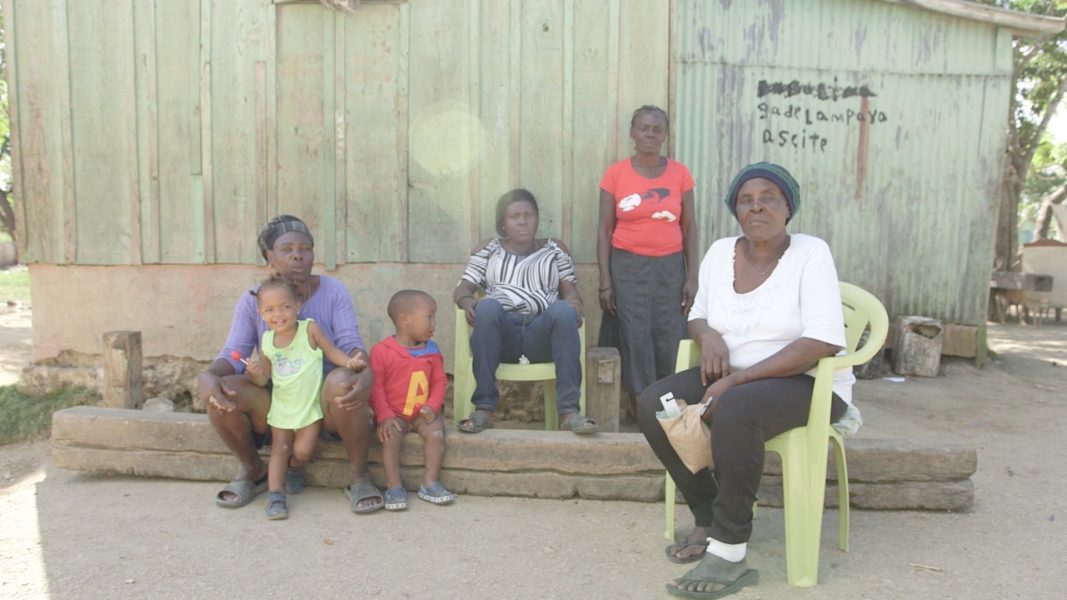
(404, 301)
(276, 283)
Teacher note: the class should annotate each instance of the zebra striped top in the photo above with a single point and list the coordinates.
(524, 284)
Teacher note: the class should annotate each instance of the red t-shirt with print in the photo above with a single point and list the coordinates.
(648, 212)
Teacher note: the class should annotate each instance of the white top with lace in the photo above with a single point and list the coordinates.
(799, 299)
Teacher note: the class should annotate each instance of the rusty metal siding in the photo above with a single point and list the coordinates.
(898, 153)
(167, 132)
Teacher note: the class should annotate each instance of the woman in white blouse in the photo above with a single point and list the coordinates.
(767, 309)
(531, 309)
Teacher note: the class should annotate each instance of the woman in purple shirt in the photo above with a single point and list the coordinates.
(238, 408)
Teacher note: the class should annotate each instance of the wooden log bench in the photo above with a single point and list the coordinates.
(884, 474)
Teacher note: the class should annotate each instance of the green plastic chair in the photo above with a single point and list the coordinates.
(463, 379)
(803, 449)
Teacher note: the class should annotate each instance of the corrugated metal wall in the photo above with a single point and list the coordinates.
(168, 131)
(152, 131)
(892, 118)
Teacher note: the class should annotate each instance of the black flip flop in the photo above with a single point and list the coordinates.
(675, 548)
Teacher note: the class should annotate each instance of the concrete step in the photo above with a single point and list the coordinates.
(884, 474)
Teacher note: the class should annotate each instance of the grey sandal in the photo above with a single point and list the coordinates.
(276, 507)
(244, 490)
(361, 491)
(579, 424)
(295, 482)
(479, 421)
(436, 494)
(396, 499)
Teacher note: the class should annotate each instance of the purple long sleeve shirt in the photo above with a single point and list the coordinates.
(330, 307)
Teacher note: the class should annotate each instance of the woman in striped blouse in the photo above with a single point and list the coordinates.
(531, 309)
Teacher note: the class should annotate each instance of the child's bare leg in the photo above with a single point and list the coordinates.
(304, 445)
(303, 448)
(280, 450)
(433, 436)
(391, 455)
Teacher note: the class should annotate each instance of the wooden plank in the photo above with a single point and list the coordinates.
(474, 175)
(271, 121)
(327, 245)
(205, 147)
(884, 473)
(397, 247)
(541, 109)
(235, 153)
(102, 86)
(122, 370)
(495, 113)
(339, 197)
(41, 129)
(443, 126)
(301, 113)
(602, 397)
(515, 94)
(261, 166)
(644, 31)
(374, 165)
(179, 209)
(567, 196)
(144, 15)
(593, 124)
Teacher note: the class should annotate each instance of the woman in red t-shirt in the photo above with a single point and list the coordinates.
(647, 252)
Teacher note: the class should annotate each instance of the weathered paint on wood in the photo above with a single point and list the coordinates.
(898, 154)
(185, 124)
(168, 132)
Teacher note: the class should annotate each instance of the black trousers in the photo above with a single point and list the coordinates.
(744, 418)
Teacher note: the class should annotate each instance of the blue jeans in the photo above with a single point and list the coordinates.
(502, 336)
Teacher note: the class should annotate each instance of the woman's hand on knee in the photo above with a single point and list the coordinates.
(350, 391)
(215, 393)
(714, 357)
(715, 391)
(388, 429)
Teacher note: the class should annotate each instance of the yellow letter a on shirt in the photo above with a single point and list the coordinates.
(418, 392)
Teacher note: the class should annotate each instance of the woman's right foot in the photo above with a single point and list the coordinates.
(479, 421)
(691, 548)
(243, 488)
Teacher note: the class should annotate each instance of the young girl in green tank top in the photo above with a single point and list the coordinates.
(290, 358)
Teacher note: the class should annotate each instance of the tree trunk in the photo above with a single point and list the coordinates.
(7, 215)
(1044, 214)
(1008, 220)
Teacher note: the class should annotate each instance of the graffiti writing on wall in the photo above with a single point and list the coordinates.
(806, 115)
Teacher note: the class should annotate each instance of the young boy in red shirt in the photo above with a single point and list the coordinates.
(408, 395)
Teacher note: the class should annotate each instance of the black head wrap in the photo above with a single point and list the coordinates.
(279, 226)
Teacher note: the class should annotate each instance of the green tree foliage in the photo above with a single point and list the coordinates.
(7, 211)
(1038, 86)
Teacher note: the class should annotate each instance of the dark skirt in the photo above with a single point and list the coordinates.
(648, 321)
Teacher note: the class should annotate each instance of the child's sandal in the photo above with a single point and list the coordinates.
(276, 507)
(436, 494)
(295, 481)
(396, 499)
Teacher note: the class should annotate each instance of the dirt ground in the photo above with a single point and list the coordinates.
(76, 535)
